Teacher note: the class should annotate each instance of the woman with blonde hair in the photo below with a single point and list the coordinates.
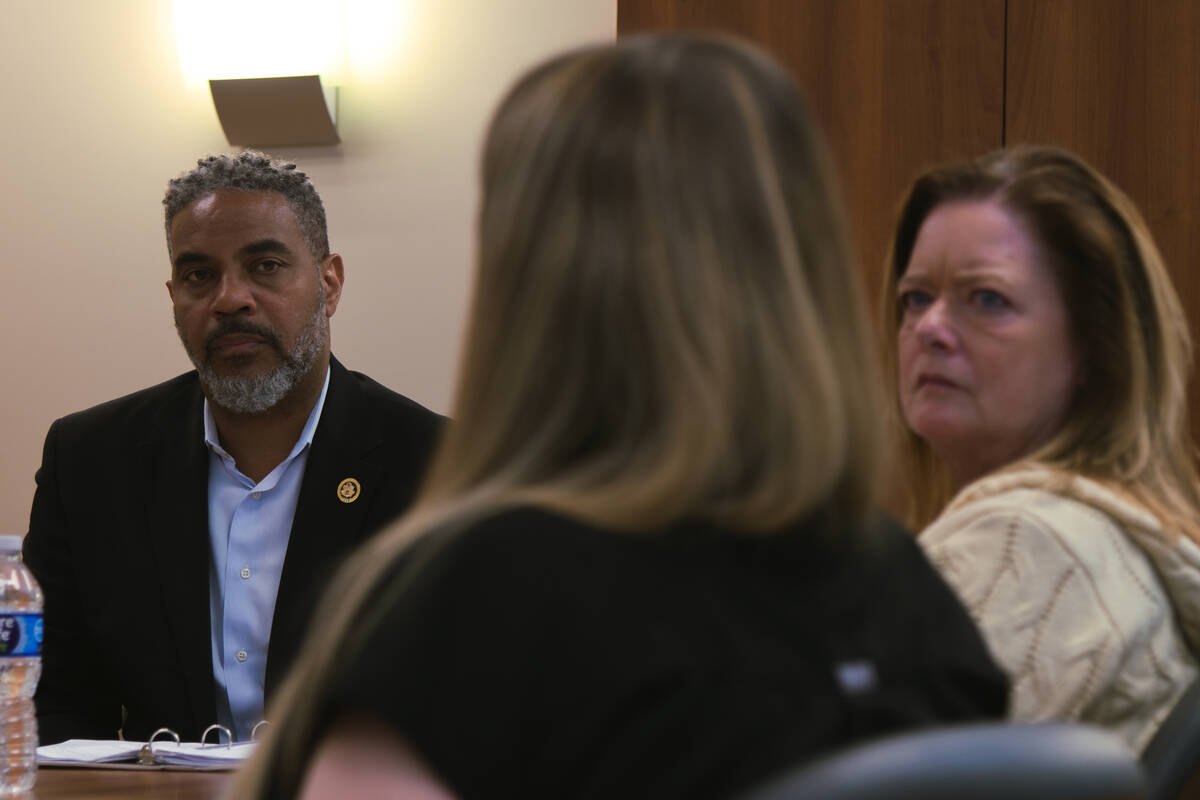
(645, 562)
(1040, 357)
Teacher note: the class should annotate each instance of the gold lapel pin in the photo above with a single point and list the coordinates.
(349, 490)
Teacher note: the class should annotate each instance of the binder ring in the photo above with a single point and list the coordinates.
(146, 753)
(254, 730)
(218, 729)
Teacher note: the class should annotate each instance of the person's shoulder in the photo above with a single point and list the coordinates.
(876, 543)
(517, 545)
(882, 533)
(490, 570)
(388, 402)
(522, 532)
(887, 555)
(1030, 509)
(140, 408)
(1052, 536)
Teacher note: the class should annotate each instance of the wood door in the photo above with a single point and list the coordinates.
(898, 85)
(1118, 82)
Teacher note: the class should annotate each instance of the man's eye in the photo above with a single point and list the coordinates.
(196, 275)
(268, 266)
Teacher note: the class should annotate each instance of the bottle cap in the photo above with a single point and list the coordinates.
(10, 543)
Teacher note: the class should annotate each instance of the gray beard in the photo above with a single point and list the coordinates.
(254, 394)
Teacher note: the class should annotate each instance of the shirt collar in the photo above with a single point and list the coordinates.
(213, 440)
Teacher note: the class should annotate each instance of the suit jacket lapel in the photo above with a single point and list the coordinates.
(176, 532)
(325, 528)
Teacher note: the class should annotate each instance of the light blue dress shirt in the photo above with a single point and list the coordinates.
(249, 526)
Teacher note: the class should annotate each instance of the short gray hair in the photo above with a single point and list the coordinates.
(252, 171)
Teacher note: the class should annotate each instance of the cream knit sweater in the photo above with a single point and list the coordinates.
(1084, 602)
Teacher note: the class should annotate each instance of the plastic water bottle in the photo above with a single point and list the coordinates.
(20, 668)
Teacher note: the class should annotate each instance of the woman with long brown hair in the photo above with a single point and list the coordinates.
(1040, 359)
(646, 561)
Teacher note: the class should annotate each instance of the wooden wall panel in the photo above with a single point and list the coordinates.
(898, 84)
(901, 84)
(1118, 81)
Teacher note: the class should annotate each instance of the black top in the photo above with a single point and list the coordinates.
(119, 541)
(535, 656)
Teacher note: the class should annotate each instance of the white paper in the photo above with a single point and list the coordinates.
(190, 754)
(95, 751)
(193, 754)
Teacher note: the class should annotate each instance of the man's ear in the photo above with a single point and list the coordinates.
(171, 290)
(332, 277)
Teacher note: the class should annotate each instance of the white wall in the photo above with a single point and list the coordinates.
(97, 115)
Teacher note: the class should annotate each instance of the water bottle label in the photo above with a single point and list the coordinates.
(20, 635)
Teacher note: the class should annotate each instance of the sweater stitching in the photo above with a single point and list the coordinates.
(1005, 564)
(1116, 539)
(1043, 620)
(1159, 667)
(1078, 700)
(1078, 563)
(1028, 510)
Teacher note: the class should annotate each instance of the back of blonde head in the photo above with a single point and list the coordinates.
(665, 319)
(665, 324)
(1127, 426)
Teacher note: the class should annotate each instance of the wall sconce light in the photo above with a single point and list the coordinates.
(222, 42)
(276, 112)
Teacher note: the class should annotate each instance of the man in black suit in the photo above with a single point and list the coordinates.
(183, 534)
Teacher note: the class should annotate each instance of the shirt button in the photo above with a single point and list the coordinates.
(241, 655)
(245, 573)
(256, 495)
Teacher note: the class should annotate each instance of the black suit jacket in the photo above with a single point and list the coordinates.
(118, 539)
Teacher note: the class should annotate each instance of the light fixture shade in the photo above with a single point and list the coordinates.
(276, 112)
